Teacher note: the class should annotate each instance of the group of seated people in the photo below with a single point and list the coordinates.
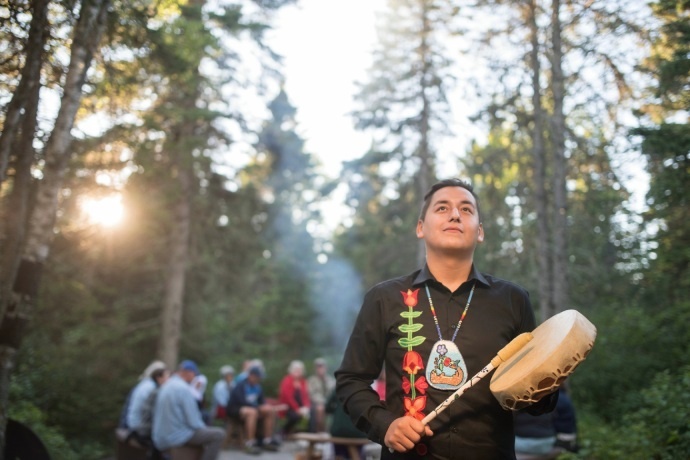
(301, 402)
(163, 412)
(167, 410)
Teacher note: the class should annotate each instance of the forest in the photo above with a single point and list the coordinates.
(147, 211)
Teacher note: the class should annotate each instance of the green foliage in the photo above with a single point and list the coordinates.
(656, 427)
(28, 390)
(499, 172)
(669, 60)
(72, 354)
(666, 144)
(630, 338)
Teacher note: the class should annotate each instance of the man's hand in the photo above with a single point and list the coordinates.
(404, 433)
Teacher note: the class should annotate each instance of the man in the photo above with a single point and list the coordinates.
(434, 329)
(221, 392)
(248, 404)
(177, 419)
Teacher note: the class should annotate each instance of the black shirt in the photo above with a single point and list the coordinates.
(474, 426)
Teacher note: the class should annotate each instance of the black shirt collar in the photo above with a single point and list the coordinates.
(425, 275)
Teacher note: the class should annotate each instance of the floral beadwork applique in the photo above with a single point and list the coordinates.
(446, 369)
(414, 387)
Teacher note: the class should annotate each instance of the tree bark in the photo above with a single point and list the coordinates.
(17, 205)
(560, 207)
(19, 310)
(173, 304)
(543, 241)
(426, 173)
(30, 81)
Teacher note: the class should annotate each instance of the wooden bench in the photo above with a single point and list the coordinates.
(234, 427)
(353, 444)
(186, 453)
(128, 448)
(234, 433)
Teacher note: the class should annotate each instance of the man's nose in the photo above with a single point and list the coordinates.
(455, 214)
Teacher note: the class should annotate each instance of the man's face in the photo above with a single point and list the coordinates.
(187, 376)
(451, 224)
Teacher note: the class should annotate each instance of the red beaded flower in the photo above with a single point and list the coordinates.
(420, 385)
(414, 407)
(412, 362)
(410, 297)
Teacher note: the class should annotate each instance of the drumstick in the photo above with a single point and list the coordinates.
(503, 355)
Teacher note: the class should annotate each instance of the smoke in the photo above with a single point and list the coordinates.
(335, 298)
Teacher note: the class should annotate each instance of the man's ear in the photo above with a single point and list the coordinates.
(480, 235)
(420, 232)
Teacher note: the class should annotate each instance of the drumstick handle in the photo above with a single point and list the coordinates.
(503, 355)
(513, 347)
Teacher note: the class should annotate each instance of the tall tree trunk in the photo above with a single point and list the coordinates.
(19, 310)
(560, 217)
(17, 136)
(183, 139)
(173, 303)
(180, 147)
(543, 242)
(16, 208)
(426, 173)
(30, 81)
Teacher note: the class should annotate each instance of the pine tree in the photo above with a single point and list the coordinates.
(404, 103)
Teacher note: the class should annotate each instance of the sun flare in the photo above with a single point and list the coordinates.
(106, 211)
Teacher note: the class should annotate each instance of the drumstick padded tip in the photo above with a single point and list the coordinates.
(513, 347)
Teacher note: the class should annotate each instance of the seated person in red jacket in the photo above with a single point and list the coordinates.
(295, 393)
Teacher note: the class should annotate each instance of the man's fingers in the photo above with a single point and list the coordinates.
(402, 445)
(404, 433)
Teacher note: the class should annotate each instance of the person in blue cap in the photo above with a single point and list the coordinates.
(177, 419)
(248, 404)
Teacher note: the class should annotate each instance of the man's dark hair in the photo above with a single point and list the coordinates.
(447, 183)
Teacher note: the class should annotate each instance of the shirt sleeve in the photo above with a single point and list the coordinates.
(361, 365)
(139, 395)
(191, 411)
